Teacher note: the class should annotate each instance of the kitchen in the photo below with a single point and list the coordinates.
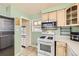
(46, 29)
(66, 32)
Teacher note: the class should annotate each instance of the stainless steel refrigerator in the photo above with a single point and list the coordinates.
(6, 32)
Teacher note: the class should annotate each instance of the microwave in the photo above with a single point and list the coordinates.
(49, 25)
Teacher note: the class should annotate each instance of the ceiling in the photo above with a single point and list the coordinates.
(33, 8)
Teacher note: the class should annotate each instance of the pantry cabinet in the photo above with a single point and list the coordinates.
(61, 48)
(25, 32)
(61, 19)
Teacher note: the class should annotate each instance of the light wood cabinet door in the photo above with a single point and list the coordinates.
(45, 17)
(61, 19)
(52, 16)
(78, 13)
(61, 49)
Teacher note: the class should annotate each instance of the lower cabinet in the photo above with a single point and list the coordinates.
(61, 21)
(61, 48)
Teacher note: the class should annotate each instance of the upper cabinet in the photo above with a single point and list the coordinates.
(52, 16)
(72, 15)
(45, 17)
(68, 16)
(49, 16)
(61, 18)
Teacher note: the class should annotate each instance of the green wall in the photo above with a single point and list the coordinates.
(35, 36)
(75, 29)
(16, 12)
(34, 16)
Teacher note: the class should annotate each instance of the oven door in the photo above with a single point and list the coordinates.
(45, 48)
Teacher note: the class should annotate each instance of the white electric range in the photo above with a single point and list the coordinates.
(46, 44)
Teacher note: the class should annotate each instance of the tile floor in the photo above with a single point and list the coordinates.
(29, 51)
